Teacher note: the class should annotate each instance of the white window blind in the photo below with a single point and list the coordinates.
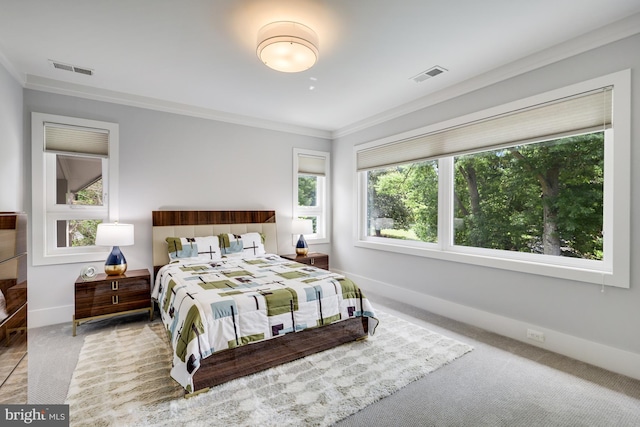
(311, 165)
(76, 140)
(582, 113)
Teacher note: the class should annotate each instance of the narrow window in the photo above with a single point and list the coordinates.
(311, 191)
(74, 187)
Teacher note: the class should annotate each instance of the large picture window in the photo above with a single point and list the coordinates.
(544, 198)
(74, 186)
(531, 186)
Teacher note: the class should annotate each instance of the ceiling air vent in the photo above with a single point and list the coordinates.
(431, 72)
(72, 68)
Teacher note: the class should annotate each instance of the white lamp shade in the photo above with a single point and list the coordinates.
(114, 234)
(302, 226)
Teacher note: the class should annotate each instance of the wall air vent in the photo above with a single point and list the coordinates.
(73, 68)
(431, 72)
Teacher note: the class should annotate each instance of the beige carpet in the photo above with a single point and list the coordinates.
(122, 378)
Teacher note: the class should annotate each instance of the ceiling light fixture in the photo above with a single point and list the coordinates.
(287, 46)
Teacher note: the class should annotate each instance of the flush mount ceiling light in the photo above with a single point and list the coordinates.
(286, 46)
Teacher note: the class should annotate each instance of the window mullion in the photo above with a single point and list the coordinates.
(445, 202)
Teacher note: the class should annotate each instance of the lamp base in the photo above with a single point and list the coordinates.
(115, 270)
(301, 247)
(116, 264)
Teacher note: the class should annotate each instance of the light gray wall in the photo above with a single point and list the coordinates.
(158, 149)
(11, 146)
(169, 161)
(576, 309)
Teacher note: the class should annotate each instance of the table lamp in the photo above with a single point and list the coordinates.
(116, 235)
(302, 227)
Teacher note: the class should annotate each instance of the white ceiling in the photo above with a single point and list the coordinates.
(198, 57)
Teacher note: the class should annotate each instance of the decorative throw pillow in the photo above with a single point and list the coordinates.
(181, 247)
(248, 244)
(194, 248)
(230, 243)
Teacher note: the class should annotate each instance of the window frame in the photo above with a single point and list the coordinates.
(323, 198)
(46, 212)
(614, 270)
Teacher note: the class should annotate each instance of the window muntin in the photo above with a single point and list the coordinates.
(311, 191)
(613, 266)
(74, 166)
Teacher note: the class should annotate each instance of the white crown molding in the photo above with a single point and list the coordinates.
(81, 91)
(608, 34)
(618, 30)
(11, 69)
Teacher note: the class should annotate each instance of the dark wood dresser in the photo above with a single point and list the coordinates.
(13, 302)
(108, 296)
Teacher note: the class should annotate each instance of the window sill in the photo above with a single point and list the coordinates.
(566, 272)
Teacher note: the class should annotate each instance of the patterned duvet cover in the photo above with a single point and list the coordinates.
(209, 307)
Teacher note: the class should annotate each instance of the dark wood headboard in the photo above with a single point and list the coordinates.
(163, 218)
(209, 223)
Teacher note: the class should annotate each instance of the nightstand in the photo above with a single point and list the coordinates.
(108, 296)
(315, 259)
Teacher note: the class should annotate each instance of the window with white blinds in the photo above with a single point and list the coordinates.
(311, 191)
(75, 186)
(597, 111)
(61, 138)
(312, 165)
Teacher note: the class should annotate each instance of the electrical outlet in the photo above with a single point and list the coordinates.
(535, 335)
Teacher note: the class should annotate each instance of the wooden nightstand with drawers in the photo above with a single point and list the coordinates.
(108, 296)
(315, 259)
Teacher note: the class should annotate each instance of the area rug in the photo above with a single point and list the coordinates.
(122, 379)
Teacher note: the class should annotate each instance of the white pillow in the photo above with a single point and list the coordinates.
(208, 248)
(252, 244)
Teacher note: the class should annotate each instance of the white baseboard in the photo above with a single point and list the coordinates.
(50, 316)
(606, 357)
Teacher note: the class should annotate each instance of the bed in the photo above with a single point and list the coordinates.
(232, 307)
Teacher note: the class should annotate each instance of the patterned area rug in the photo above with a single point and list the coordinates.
(122, 379)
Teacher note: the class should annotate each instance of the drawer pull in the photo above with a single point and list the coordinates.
(313, 261)
(114, 299)
(114, 285)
